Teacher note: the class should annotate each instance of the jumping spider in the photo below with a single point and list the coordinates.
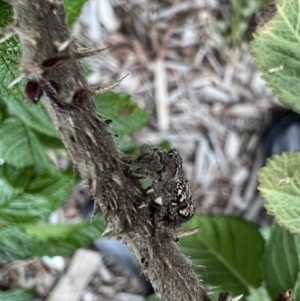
(169, 197)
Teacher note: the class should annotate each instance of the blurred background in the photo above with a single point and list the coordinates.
(190, 66)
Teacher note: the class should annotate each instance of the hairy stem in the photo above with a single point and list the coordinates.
(95, 155)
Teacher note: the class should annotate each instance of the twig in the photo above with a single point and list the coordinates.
(161, 96)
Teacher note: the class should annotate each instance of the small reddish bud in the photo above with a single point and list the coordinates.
(33, 91)
(80, 98)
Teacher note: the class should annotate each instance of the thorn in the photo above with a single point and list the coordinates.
(210, 290)
(211, 287)
(86, 52)
(200, 266)
(150, 224)
(13, 30)
(95, 211)
(99, 117)
(117, 180)
(159, 201)
(89, 134)
(128, 219)
(150, 251)
(110, 87)
(107, 230)
(7, 35)
(55, 2)
(115, 203)
(168, 263)
(150, 190)
(27, 35)
(147, 231)
(64, 45)
(16, 80)
(138, 191)
(189, 232)
(93, 184)
(237, 298)
(133, 209)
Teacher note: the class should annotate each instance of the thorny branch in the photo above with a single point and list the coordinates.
(49, 62)
(42, 30)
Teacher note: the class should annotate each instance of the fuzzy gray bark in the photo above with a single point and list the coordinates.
(97, 159)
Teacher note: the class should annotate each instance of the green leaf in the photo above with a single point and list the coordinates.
(127, 117)
(126, 144)
(10, 52)
(276, 50)
(3, 110)
(165, 144)
(280, 265)
(32, 193)
(280, 187)
(34, 116)
(262, 293)
(230, 248)
(50, 142)
(152, 298)
(16, 295)
(16, 243)
(46, 231)
(73, 9)
(296, 290)
(65, 239)
(19, 146)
